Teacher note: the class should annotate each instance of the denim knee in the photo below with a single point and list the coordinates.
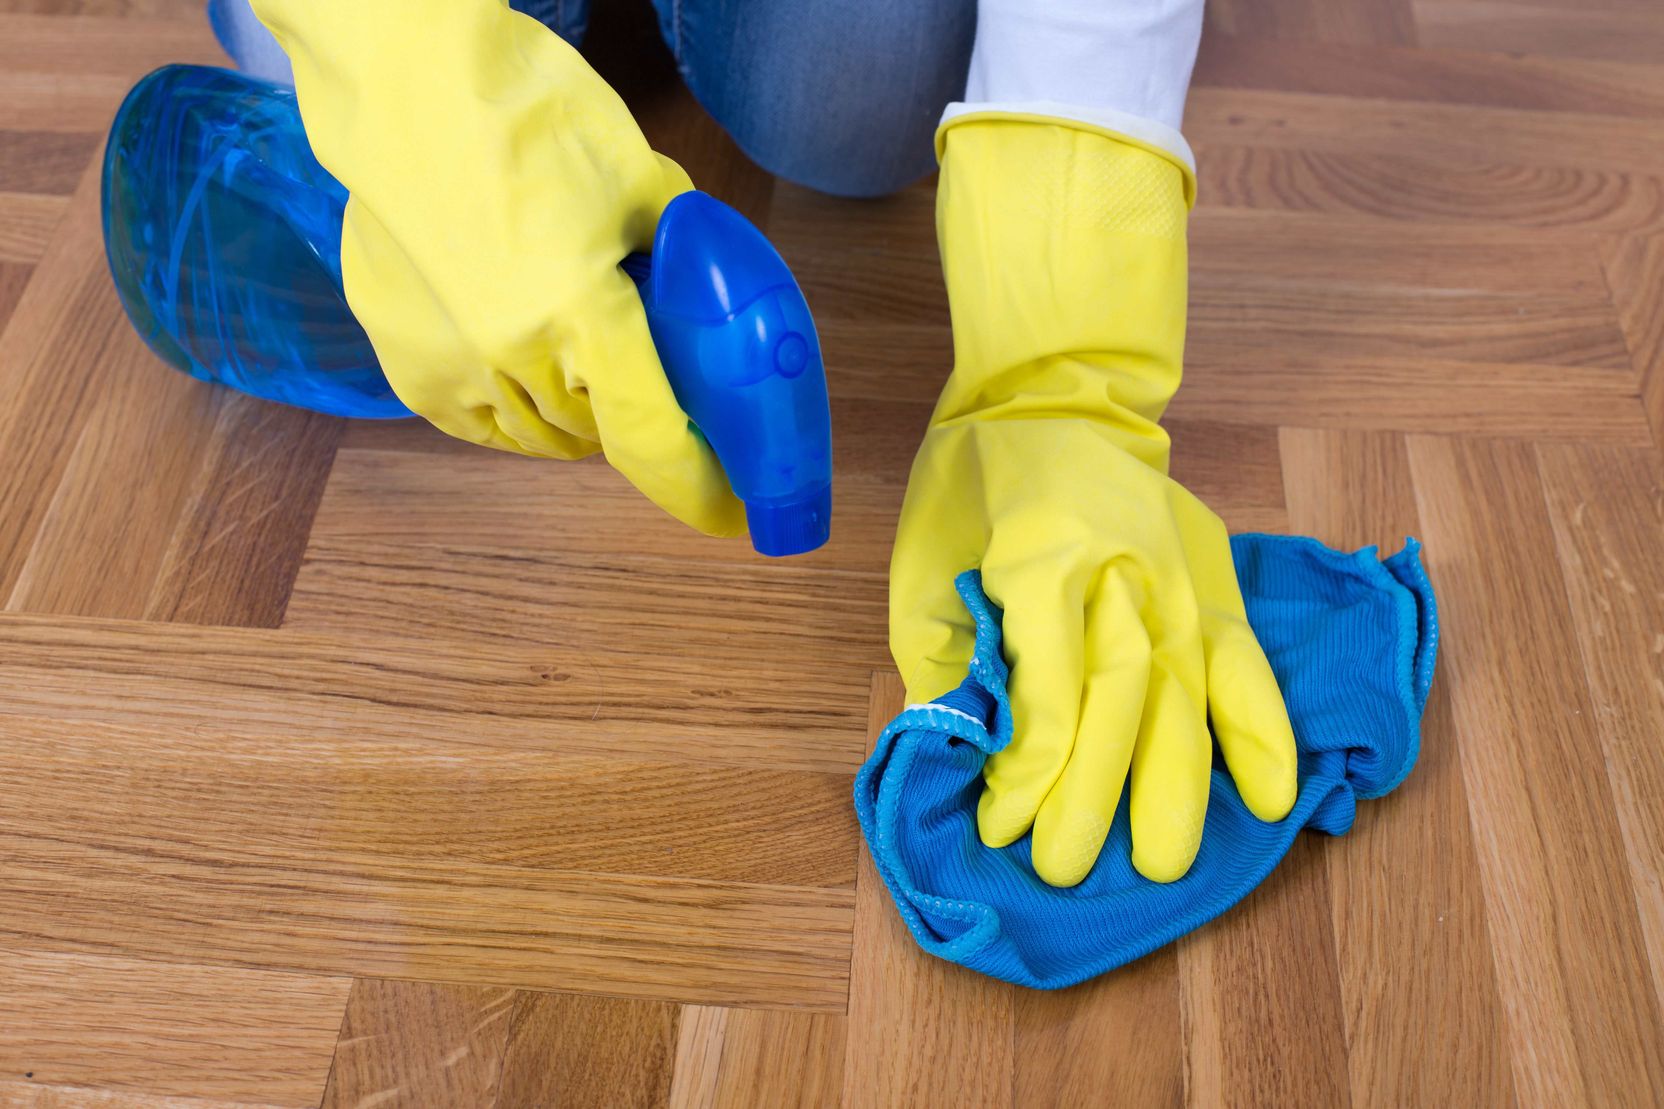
(838, 95)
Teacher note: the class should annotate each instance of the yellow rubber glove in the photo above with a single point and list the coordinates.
(1064, 251)
(496, 182)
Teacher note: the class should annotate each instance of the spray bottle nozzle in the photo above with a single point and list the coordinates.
(740, 350)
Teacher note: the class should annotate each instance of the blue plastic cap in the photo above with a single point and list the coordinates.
(778, 530)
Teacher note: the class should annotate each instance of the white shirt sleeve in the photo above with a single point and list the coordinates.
(1120, 64)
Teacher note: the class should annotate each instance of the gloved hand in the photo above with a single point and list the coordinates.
(1063, 245)
(496, 182)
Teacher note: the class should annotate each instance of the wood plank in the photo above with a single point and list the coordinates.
(1608, 511)
(1118, 1035)
(1253, 243)
(141, 9)
(243, 529)
(1408, 395)
(69, 73)
(698, 1067)
(52, 353)
(596, 601)
(165, 1028)
(98, 44)
(31, 1095)
(881, 268)
(103, 537)
(1620, 35)
(741, 1057)
(418, 1043)
(1345, 21)
(1635, 274)
(26, 225)
(1262, 1008)
(1416, 188)
(282, 686)
(919, 1027)
(566, 1050)
(1393, 909)
(703, 942)
(13, 279)
(429, 803)
(1449, 135)
(43, 162)
(1568, 947)
(1312, 319)
(1449, 76)
(497, 501)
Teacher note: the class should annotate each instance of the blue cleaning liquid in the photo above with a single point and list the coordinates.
(224, 239)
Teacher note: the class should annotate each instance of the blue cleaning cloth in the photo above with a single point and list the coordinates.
(1352, 641)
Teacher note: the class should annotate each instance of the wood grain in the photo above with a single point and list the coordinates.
(32, 1095)
(44, 162)
(1525, 718)
(165, 1028)
(1391, 906)
(1262, 1007)
(559, 790)
(1634, 35)
(1635, 274)
(739, 1057)
(1608, 512)
(1452, 76)
(426, 802)
(1120, 1035)
(549, 697)
(51, 352)
(26, 225)
(1367, 183)
(571, 1051)
(417, 1043)
(1445, 135)
(117, 517)
(241, 533)
(1342, 21)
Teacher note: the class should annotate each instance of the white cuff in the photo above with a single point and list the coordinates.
(1143, 131)
(1127, 56)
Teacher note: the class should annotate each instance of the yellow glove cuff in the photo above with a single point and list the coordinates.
(1126, 137)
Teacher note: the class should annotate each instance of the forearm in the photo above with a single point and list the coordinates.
(1063, 224)
(1123, 64)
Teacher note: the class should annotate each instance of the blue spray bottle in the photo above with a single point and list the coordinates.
(224, 238)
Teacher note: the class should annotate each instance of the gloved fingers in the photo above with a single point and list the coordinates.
(644, 432)
(932, 642)
(1044, 629)
(1245, 704)
(504, 419)
(659, 181)
(932, 636)
(676, 182)
(1249, 719)
(1074, 820)
(515, 422)
(1171, 764)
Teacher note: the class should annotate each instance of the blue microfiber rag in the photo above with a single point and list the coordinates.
(1352, 640)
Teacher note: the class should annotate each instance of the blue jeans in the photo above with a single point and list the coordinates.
(839, 95)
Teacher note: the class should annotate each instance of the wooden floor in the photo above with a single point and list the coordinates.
(348, 764)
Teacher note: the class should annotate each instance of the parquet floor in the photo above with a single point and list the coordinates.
(350, 765)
